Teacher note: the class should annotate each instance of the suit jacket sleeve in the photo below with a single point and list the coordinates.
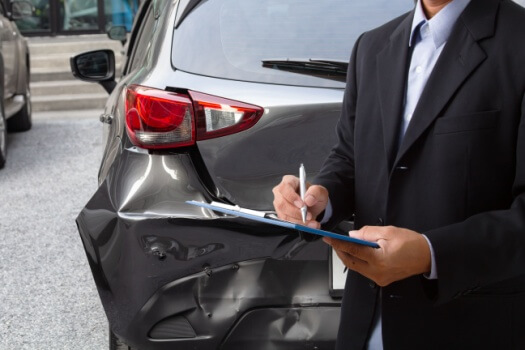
(337, 172)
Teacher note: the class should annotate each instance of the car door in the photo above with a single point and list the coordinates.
(8, 49)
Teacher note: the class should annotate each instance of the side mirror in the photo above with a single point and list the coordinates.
(21, 9)
(95, 66)
(118, 33)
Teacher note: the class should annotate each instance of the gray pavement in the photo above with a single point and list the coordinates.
(48, 299)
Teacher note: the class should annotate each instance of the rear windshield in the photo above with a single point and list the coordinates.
(230, 38)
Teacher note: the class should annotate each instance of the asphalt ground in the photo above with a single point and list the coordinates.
(48, 298)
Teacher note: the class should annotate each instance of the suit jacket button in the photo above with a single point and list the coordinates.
(380, 221)
(401, 167)
(372, 284)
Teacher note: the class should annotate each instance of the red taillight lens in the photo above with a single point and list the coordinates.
(163, 119)
(159, 119)
(217, 116)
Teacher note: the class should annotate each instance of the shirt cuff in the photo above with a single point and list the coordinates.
(327, 213)
(433, 268)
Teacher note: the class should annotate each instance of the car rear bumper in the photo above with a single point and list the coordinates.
(172, 274)
(247, 305)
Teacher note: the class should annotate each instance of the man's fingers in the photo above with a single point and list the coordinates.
(359, 251)
(288, 189)
(352, 262)
(315, 194)
(284, 208)
(370, 233)
(402, 253)
(286, 199)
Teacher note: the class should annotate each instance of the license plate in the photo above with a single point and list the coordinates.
(337, 275)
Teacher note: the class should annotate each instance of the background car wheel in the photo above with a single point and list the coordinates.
(115, 343)
(22, 120)
(3, 136)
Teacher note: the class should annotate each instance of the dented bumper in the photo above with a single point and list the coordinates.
(170, 274)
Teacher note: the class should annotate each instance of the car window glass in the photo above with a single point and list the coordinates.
(239, 34)
(135, 29)
(138, 54)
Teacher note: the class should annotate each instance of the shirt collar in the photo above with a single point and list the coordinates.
(441, 24)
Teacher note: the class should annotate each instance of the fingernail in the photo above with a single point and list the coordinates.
(308, 216)
(352, 233)
(298, 204)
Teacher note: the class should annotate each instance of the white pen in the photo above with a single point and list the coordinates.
(302, 185)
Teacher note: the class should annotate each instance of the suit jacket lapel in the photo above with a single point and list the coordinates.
(392, 65)
(460, 57)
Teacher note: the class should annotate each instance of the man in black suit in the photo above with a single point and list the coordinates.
(431, 142)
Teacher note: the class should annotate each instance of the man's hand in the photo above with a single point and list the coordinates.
(287, 202)
(402, 253)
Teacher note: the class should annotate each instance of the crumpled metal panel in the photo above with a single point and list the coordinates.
(286, 328)
(258, 304)
(154, 257)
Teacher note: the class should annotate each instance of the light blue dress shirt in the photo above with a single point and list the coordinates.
(427, 44)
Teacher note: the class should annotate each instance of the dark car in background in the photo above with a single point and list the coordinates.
(15, 96)
(218, 100)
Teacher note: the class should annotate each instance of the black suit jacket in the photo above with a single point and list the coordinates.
(458, 177)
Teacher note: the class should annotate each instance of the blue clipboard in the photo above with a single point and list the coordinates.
(277, 222)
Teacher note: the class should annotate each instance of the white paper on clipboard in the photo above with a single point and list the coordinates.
(268, 219)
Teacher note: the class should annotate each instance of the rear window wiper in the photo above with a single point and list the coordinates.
(323, 68)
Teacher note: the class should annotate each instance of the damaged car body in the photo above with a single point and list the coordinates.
(218, 100)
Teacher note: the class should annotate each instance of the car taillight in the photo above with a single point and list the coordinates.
(159, 119)
(162, 119)
(217, 116)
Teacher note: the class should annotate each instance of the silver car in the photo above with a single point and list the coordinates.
(15, 96)
(218, 100)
